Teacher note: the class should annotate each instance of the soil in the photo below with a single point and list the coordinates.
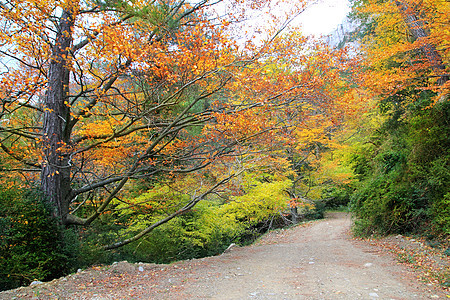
(319, 260)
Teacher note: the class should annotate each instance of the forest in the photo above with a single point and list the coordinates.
(158, 131)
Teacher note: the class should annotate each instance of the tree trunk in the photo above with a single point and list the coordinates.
(294, 214)
(55, 176)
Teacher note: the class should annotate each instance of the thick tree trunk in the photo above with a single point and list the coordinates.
(418, 30)
(55, 176)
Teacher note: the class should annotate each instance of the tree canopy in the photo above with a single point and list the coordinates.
(187, 126)
(101, 100)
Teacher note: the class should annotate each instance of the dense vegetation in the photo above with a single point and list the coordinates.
(401, 162)
(34, 247)
(403, 173)
(31, 242)
(154, 135)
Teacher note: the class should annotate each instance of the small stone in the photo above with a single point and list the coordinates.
(79, 270)
(434, 296)
(374, 295)
(367, 265)
(141, 269)
(36, 282)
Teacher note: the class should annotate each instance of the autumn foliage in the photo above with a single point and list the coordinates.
(401, 163)
(171, 118)
(190, 120)
(102, 100)
(406, 46)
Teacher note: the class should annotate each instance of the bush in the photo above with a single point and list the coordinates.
(203, 231)
(406, 188)
(209, 228)
(31, 246)
(441, 213)
(337, 197)
(317, 212)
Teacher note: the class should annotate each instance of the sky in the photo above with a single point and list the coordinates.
(324, 17)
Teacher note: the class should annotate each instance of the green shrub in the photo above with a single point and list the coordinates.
(203, 231)
(31, 243)
(441, 214)
(404, 174)
(337, 196)
(210, 227)
(317, 212)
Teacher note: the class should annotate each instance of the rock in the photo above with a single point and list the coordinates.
(229, 248)
(123, 267)
(367, 265)
(141, 269)
(36, 282)
(373, 295)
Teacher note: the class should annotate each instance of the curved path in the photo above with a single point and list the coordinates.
(316, 261)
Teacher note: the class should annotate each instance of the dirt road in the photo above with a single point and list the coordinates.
(318, 261)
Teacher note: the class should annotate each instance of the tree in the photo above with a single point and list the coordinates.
(406, 60)
(98, 95)
(406, 46)
(420, 33)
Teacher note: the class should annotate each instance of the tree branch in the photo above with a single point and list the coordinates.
(184, 209)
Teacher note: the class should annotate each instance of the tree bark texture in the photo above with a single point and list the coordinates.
(55, 176)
